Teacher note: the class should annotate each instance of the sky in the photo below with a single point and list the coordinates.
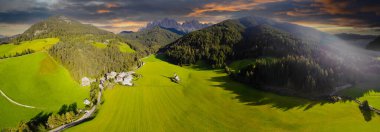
(332, 16)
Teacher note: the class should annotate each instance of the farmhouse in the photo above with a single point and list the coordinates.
(102, 80)
(175, 78)
(101, 86)
(86, 81)
(111, 75)
(120, 77)
(86, 102)
(127, 81)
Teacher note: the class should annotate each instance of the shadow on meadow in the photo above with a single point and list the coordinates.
(367, 114)
(200, 65)
(254, 97)
(370, 83)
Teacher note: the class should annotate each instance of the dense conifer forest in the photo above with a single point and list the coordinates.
(303, 67)
(153, 38)
(75, 51)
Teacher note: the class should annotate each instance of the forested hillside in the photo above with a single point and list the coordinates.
(76, 50)
(298, 65)
(154, 38)
(374, 45)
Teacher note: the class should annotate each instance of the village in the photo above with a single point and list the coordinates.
(122, 78)
(111, 78)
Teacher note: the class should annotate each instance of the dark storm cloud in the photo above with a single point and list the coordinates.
(134, 13)
(360, 13)
(30, 16)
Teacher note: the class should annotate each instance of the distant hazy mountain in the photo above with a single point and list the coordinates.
(154, 38)
(374, 45)
(125, 32)
(351, 36)
(185, 27)
(357, 40)
(6, 40)
(2, 36)
(285, 58)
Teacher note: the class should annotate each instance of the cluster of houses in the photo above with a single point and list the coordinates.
(87, 81)
(123, 78)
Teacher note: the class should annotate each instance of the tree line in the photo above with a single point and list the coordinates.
(297, 66)
(46, 121)
(24, 52)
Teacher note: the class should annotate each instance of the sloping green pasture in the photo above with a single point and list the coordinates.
(207, 100)
(35, 80)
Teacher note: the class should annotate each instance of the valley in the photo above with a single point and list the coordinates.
(189, 66)
(207, 100)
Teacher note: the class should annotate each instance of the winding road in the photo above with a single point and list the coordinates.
(84, 118)
(14, 102)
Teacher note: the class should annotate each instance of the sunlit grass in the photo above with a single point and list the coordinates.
(35, 80)
(36, 45)
(125, 48)
(208, 100)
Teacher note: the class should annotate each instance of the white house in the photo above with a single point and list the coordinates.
(127, 81)
(131, 72)
(176, 77)
(86, 81)
(102, 80)
(120, 76)
(118, 79)
(101, 86)
(86, 102)
(111, 75)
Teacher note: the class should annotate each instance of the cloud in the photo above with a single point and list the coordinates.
(347, 7)
(101, 11)
(24, 17)
(117, 15)
(233, 6)
(112, 5)
(300, 12)
(128, 24)
(12, 29)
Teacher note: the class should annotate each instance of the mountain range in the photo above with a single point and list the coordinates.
(351, 36)
(183, 28)
(374, 45)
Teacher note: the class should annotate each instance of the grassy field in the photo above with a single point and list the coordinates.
(99, 45)
(207, 100)
(125, 48)
(122, 47)
(35, 80)
(36, 45)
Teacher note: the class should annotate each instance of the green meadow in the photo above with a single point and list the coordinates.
(122, 47)
(99, 45)
(36, 45)
(125, 48)
(35, 80)
(207, 100)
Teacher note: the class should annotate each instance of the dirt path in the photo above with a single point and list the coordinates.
(14, 102)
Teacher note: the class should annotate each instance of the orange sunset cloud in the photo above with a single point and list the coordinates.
(232, 6)
(103, 11)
